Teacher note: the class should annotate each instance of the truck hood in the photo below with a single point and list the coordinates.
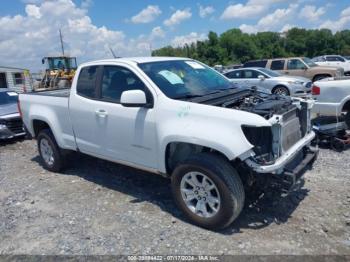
(249, 100)
(8, 109)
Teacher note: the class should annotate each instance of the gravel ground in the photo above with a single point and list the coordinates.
(97, 207)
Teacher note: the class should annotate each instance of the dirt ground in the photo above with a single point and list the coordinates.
(97, 207)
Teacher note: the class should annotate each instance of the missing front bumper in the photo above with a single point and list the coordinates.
(279, 165)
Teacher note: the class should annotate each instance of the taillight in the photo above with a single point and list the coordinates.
(315, 90)
(19, 107)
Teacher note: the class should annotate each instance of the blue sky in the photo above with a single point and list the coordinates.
(28, 28)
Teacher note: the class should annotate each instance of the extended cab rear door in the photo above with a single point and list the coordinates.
(295, 67)
(105, 128)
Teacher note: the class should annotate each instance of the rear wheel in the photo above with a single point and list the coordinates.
(208, 190)
(49, 151)
(281, 90)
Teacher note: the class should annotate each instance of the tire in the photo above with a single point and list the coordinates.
(47, 142)
(228, 190)
(281, 90)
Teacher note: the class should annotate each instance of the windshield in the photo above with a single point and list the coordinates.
(309, 62)
(177, 79)
(62, 63)
(8, 98)
(270, 72)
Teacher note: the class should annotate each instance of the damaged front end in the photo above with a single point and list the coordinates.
(284, 148)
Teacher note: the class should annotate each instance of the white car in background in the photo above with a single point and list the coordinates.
(332, 97)
(333, 60)
(275, 82)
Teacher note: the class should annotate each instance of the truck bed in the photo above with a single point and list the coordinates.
(57, 93)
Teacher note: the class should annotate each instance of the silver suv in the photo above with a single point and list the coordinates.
(274, 81)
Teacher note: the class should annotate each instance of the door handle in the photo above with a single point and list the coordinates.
(101, 113)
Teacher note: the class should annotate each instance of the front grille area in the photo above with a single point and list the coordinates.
(15, 125)
(291, 133)
(291, 129)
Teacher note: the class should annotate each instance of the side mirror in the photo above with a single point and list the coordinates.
(261, 77)
(43, 61)
(134, 98)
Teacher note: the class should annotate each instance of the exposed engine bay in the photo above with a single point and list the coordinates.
(290, 121)
(251, 100)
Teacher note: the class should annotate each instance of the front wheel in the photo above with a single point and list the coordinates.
(208, 190)
(49, 151)
(281, 90)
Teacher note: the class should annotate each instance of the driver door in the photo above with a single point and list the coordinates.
(295, 67)
(106, 129)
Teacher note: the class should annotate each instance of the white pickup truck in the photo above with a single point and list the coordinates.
(179, 118)
(332, 97)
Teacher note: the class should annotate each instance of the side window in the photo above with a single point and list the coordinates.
(331, 58)
(116, 80)
(295, 64)
(18, 78)
(277, 65)
(234, 74)
(87, 82)
(258, 63)
(250, 74)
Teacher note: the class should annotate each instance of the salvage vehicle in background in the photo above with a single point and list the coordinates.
(298, 66)
(178, 118)
(332, 97)
(275, 82)
(333, 60)
(10, 121)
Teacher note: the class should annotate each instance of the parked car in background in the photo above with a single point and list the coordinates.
(333, 60)
(10, 121)
(298, 66)
(347, 57)
(274, 81)
(179, 118)
(332, 97)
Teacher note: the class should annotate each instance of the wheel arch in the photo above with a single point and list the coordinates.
(346, 106)
(178, 151)
(320, 74)
(39, 125)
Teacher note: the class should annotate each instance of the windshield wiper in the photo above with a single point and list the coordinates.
(188, 96)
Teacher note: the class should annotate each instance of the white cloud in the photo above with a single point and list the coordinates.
(193, 37)
(342, 23)
(205, 11)
(287, 27)
(85, 4)
(157, 32)
(25, 39)
(268, 22)
(311, 13)
(147, 15)
(33, 10)
(250, 9)
(345, 12)
(178, 17)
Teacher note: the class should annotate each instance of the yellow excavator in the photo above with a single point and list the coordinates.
(59, 71)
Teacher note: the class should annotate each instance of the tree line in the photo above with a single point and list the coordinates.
(234, 46)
